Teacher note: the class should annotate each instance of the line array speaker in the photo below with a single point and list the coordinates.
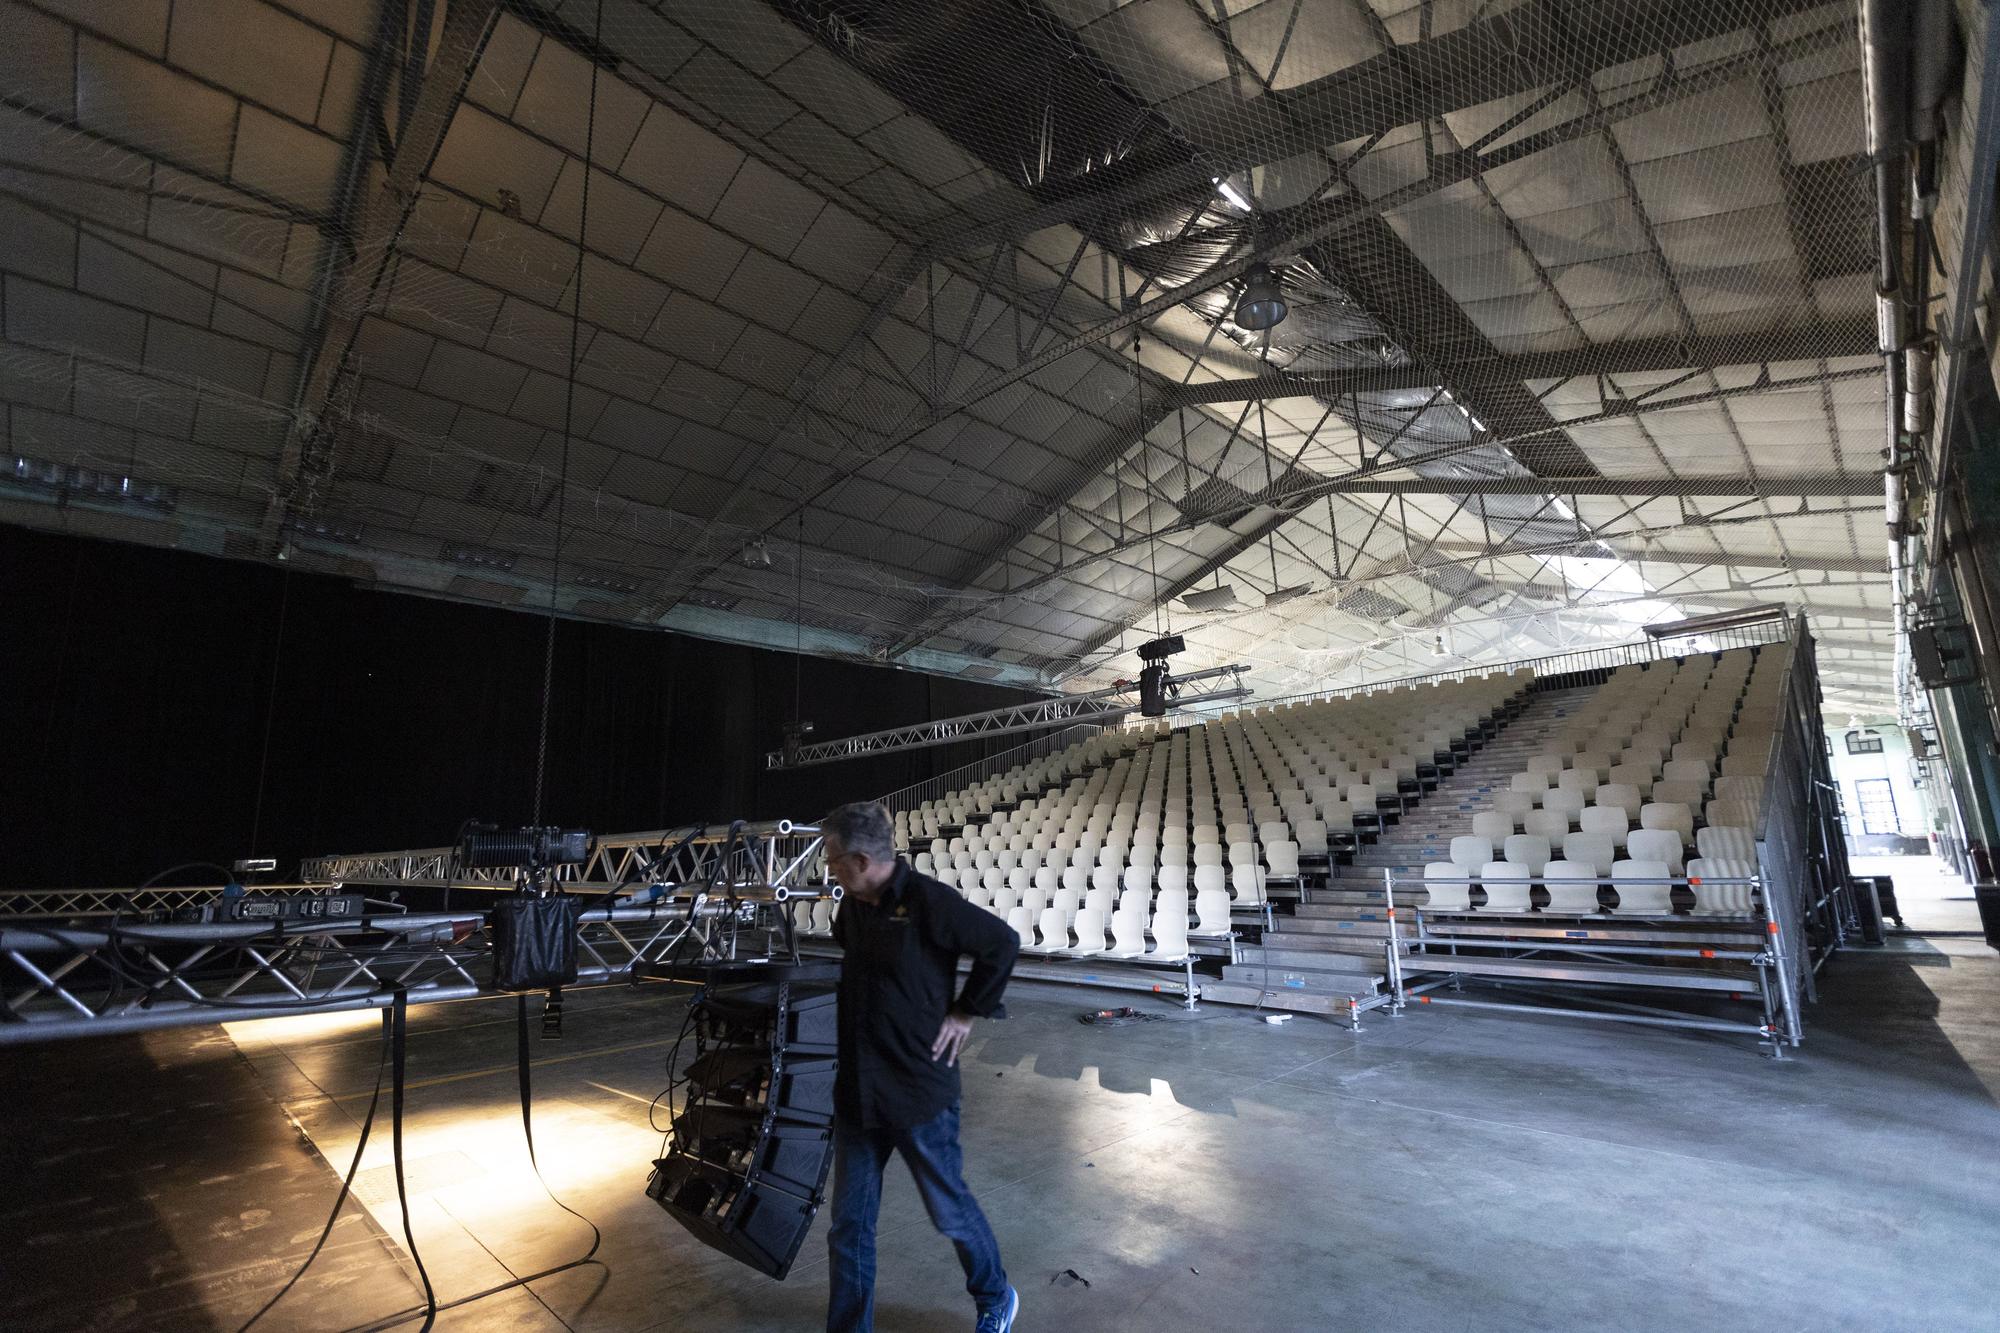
(746, 1170)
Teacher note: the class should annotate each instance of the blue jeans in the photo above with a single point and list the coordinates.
(932, 1154)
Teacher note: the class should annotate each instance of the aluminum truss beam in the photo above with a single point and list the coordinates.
(60, 978)
(1105, 705)
(1843, 339)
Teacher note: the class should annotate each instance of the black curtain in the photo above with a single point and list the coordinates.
(138, 685)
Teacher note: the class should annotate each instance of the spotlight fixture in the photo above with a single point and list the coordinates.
(1262, 304)
(1438, 649)
(755, 556)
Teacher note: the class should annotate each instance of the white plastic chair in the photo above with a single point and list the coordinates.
(1637, 896)
(1550, 824)
(1089, 933)
(1723, 840)
(1128, 931)
(1023, 928)
(1053, 930)
(1571, 886)
(1610, 821)
(1170, 935)
(1595, 850)
(1656, 844)
(1622, 794)
(1668, 815)
(1283, 859)
(1711, 899)
(1506, 885)
(1493, 826)
(1470, 853)
(1526, 849)
(1211, 910)
(1441, 894)
(1248, 882)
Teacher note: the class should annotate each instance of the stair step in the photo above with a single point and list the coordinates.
(1313, 925)
(1292, 1001)
(1309, 960)
(1294, 981)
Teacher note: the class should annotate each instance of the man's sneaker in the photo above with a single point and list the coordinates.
(1000, 1318)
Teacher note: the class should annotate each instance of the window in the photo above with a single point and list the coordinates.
(1878, 806)
(1863, 742)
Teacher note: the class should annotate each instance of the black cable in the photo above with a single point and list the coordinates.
(399, 1013)
(270, 709)
(528, 1126)
(569, 419)
(346, 1183)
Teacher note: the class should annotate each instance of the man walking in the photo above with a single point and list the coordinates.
(901, 935)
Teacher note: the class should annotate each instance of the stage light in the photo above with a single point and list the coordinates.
(1262, 305)
(1231, 195)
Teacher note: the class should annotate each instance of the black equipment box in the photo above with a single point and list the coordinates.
(276, 907)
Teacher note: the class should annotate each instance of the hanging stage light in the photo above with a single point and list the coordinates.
(1262, 305)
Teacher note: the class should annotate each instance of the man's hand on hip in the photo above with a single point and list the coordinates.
(951, 1036)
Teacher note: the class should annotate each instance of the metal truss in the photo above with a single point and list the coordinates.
(143, 904)
(1099, 706)
(766, 857)
(711, 888)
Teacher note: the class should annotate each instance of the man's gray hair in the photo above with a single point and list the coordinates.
(863, 826)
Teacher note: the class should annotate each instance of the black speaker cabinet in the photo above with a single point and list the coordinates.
(751, 1148)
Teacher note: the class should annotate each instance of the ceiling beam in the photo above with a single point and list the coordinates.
(359, 262)
(1807, 343)
(1870, 484)
(1519, 51)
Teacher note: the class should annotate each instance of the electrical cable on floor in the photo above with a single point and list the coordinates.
(346, 1183)
(399, 1013)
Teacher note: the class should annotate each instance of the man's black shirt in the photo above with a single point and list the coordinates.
(899, 964)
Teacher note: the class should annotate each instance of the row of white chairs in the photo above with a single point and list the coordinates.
(1720, 886)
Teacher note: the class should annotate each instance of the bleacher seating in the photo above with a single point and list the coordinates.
(1165, 832)
(1656, 776)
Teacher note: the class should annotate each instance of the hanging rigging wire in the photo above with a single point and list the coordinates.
(270, 710)
(799, 623)
(1152, 541)
(569, 425)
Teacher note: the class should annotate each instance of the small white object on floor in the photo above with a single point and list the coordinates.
(1275, 1019)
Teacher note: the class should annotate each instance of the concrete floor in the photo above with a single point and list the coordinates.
(1443, 1170)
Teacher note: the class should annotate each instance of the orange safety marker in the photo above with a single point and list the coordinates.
(1708, 953)
(1771, 926)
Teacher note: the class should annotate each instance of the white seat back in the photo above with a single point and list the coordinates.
(1711, 899)
(1526, 849)
(1656, 844)
(1441, 894)
(1170, 930)
(1054, 929)
(1470, 853)
(1668, 814)
(1622, 794)
(1609, 821)
(1128, 930)
(1595, 850)
(1506, 886)
(1550, 824)
(1722, 840)
(1493, 825)
(1571, 885)
(1211, 910)
(1089, 931)
(1635, 895)
(1023, 926)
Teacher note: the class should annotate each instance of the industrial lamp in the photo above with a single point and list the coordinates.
(1262, 304)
